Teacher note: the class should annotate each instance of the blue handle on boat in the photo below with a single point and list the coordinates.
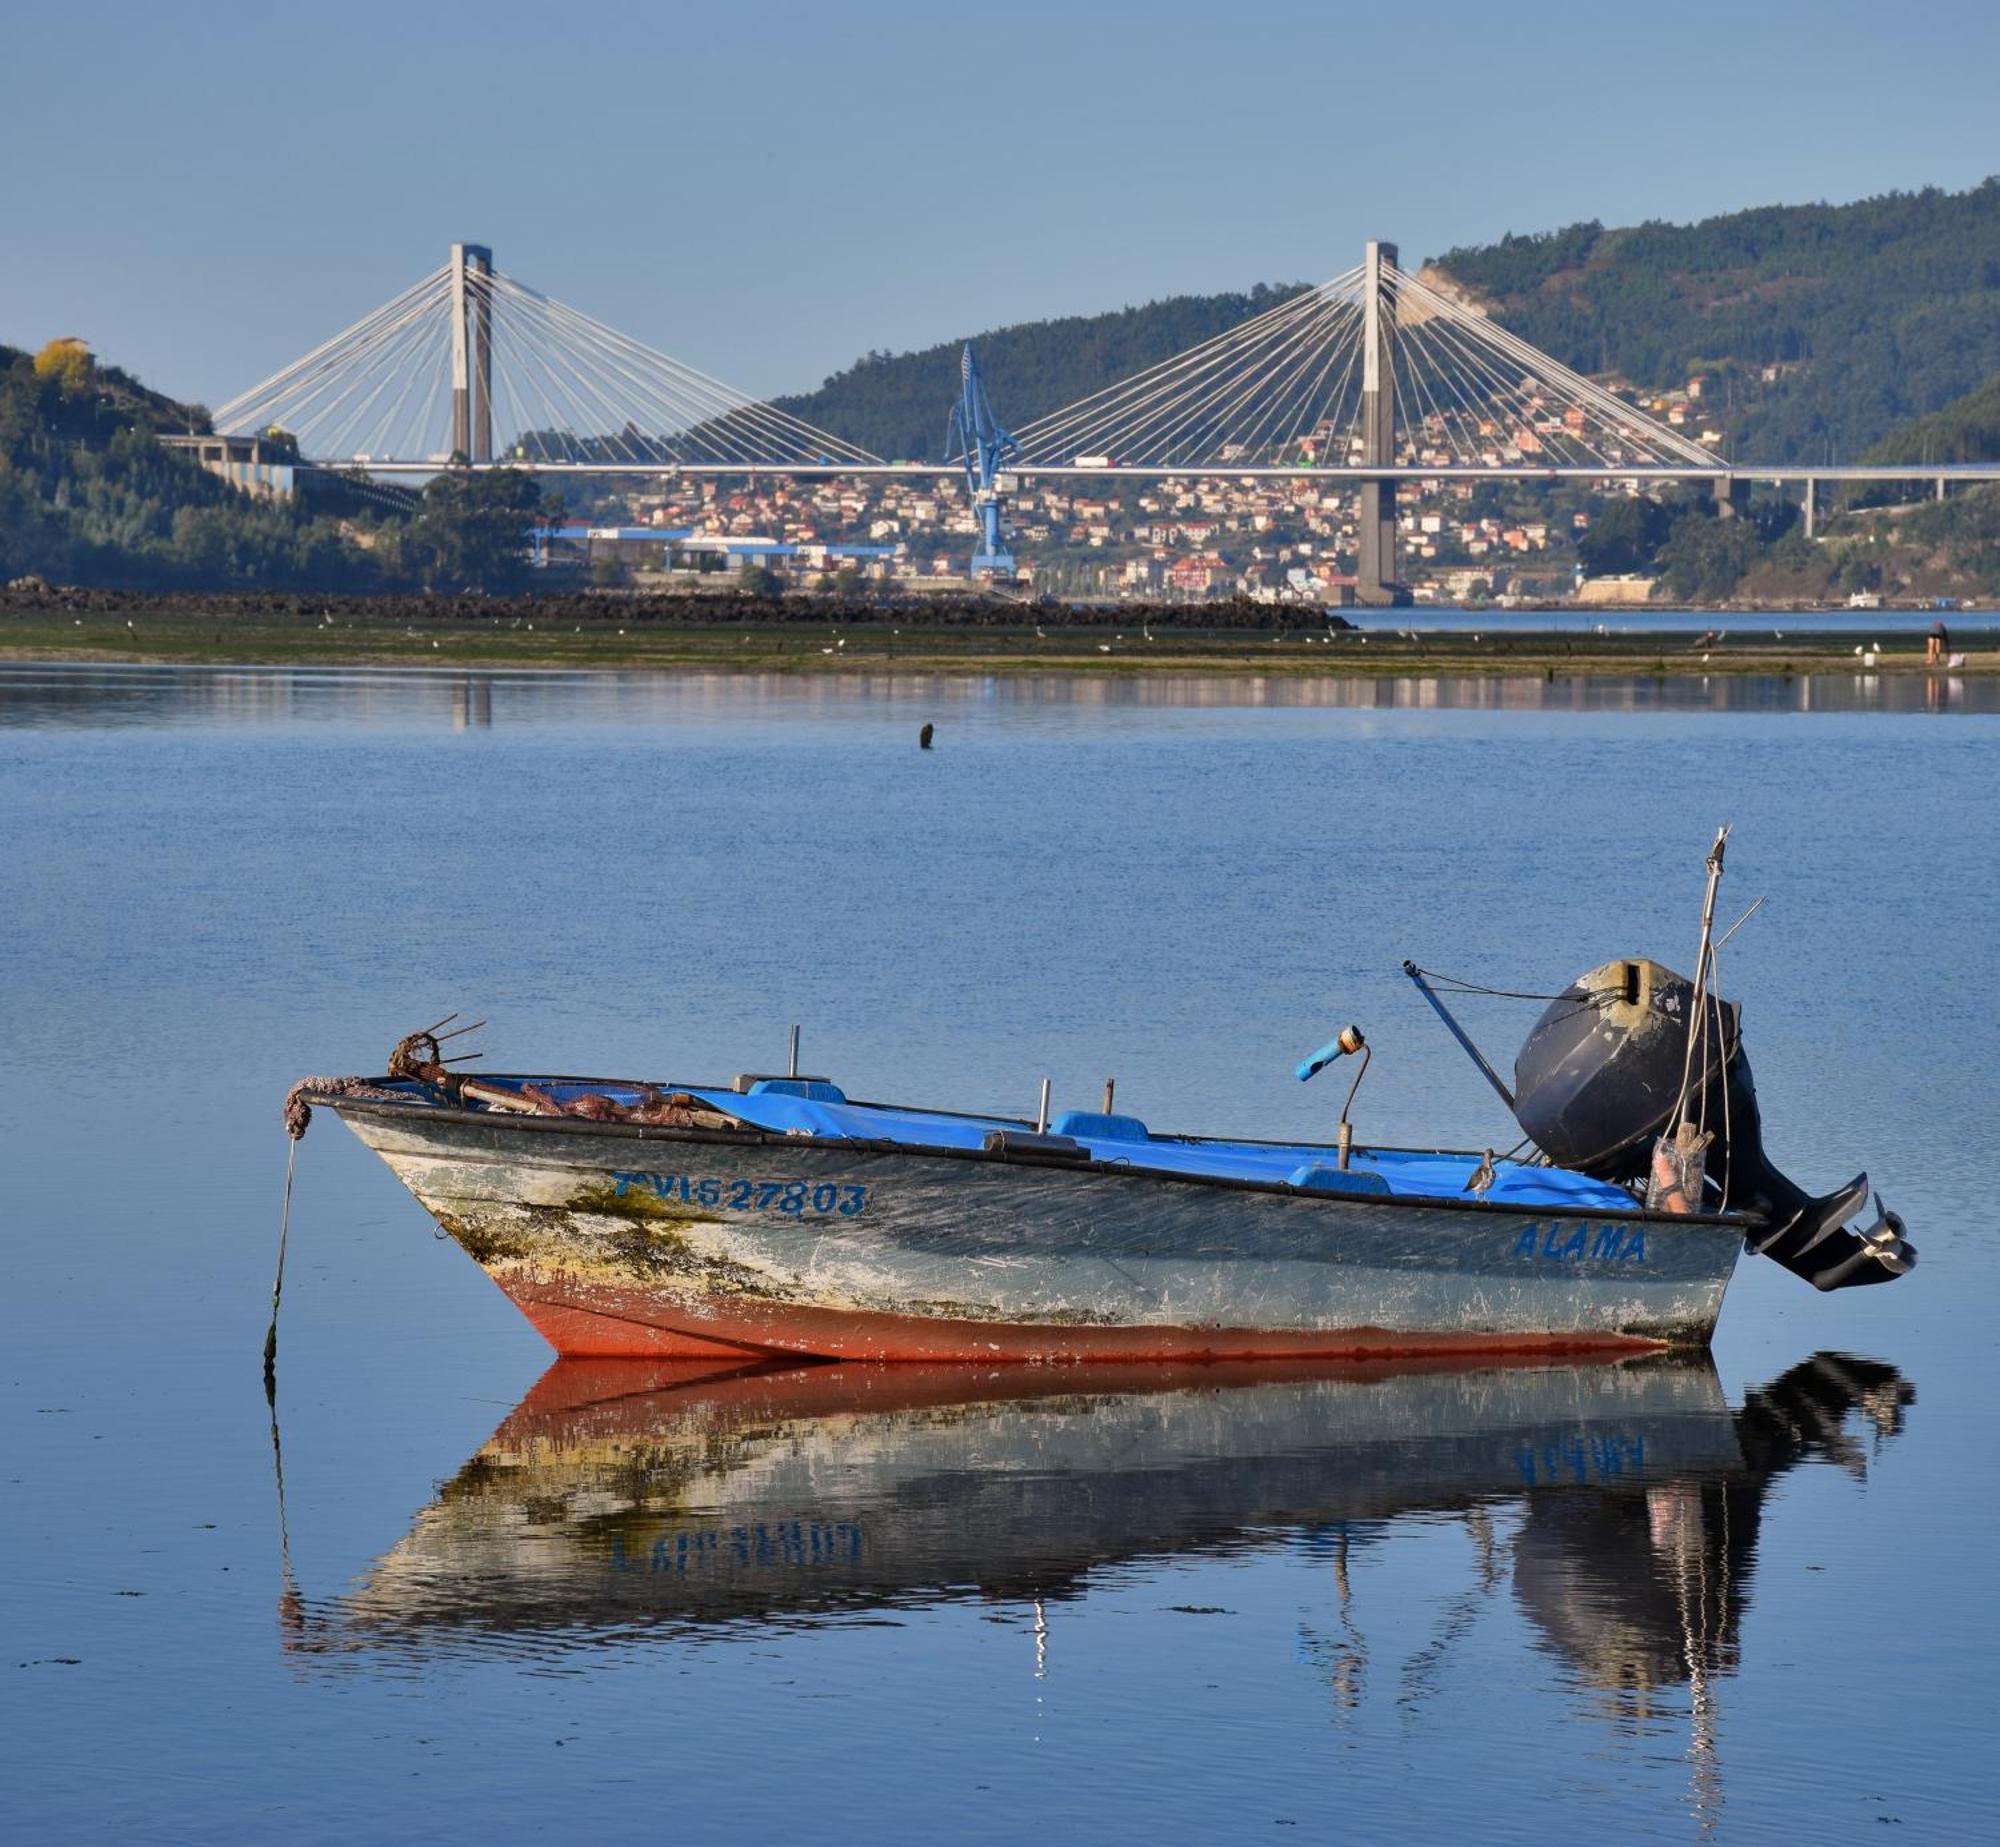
(1318, 1062)
(1347, 1040)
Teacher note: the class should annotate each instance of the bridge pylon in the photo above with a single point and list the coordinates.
(469, 364)
(471, 269)
(1375, 570)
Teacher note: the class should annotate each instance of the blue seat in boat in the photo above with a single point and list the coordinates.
(1319, 1177)
(813, 1089)
(1095, 1126)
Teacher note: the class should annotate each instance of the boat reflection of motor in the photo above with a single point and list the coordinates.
(635, 1499)
(1644, 1586)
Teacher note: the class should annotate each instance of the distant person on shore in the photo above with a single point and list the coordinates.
(1937, 645)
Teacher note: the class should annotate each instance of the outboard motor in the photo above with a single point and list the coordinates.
(1598, 1081)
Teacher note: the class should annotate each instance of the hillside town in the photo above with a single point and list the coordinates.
(1182, 538)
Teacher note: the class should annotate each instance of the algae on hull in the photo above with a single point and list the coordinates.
(643, 1241)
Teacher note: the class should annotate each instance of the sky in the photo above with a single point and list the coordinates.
(204, 192)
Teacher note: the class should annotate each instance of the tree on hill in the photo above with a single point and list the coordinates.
(472, 531)
(1965, 430)
(66, 362)
(1705, 558)
(1624, 535)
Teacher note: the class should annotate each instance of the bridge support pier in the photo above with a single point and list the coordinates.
(1375, 564)
(472, 352)
(1811, 506)
(1732, 496)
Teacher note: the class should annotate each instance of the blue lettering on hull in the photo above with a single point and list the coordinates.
(1572, 1240)
(797, 1198)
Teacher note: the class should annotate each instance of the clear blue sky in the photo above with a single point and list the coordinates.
(766, 191)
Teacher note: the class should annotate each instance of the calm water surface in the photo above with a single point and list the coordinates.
(1737, 1601)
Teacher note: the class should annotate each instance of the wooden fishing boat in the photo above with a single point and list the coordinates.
(776, 1215)
(786, 1218)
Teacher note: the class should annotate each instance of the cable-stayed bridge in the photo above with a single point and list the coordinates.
(1376, 377)
(468, 367)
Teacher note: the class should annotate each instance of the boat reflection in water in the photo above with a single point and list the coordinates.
(623, 1499)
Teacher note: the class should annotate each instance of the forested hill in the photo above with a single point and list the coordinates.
(1873, 314)
(898, 404)
(1965, 430)
(88, 496)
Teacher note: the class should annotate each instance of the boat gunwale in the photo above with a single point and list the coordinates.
(755, 1137)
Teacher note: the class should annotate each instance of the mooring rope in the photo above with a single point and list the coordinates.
(298, 1118)
(284, 1237)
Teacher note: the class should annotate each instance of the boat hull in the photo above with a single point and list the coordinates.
(624, 1243)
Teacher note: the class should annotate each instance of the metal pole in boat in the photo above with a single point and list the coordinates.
(1345, 1045)
(1697, 1016)
(1346, 1134)
(1110, 1087)
(1042, 1110)
(794, 1069)
(1459, 1033)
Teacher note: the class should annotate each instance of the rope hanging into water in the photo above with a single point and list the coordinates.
(298, 1118)
(284, 1237)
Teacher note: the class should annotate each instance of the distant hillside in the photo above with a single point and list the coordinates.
(88, 496)
(1965, 430)
(1873, 313)
(1870, 314)
(898, 404)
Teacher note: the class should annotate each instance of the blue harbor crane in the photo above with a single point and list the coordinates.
(979, 442)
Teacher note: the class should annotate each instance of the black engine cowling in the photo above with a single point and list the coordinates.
(1596, 1084)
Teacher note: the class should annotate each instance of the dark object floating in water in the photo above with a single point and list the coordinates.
(924, 738)
(777, 1216)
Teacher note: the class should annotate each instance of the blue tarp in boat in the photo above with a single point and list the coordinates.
(820, 1110)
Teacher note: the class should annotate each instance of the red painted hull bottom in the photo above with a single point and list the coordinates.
(596, 1321)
